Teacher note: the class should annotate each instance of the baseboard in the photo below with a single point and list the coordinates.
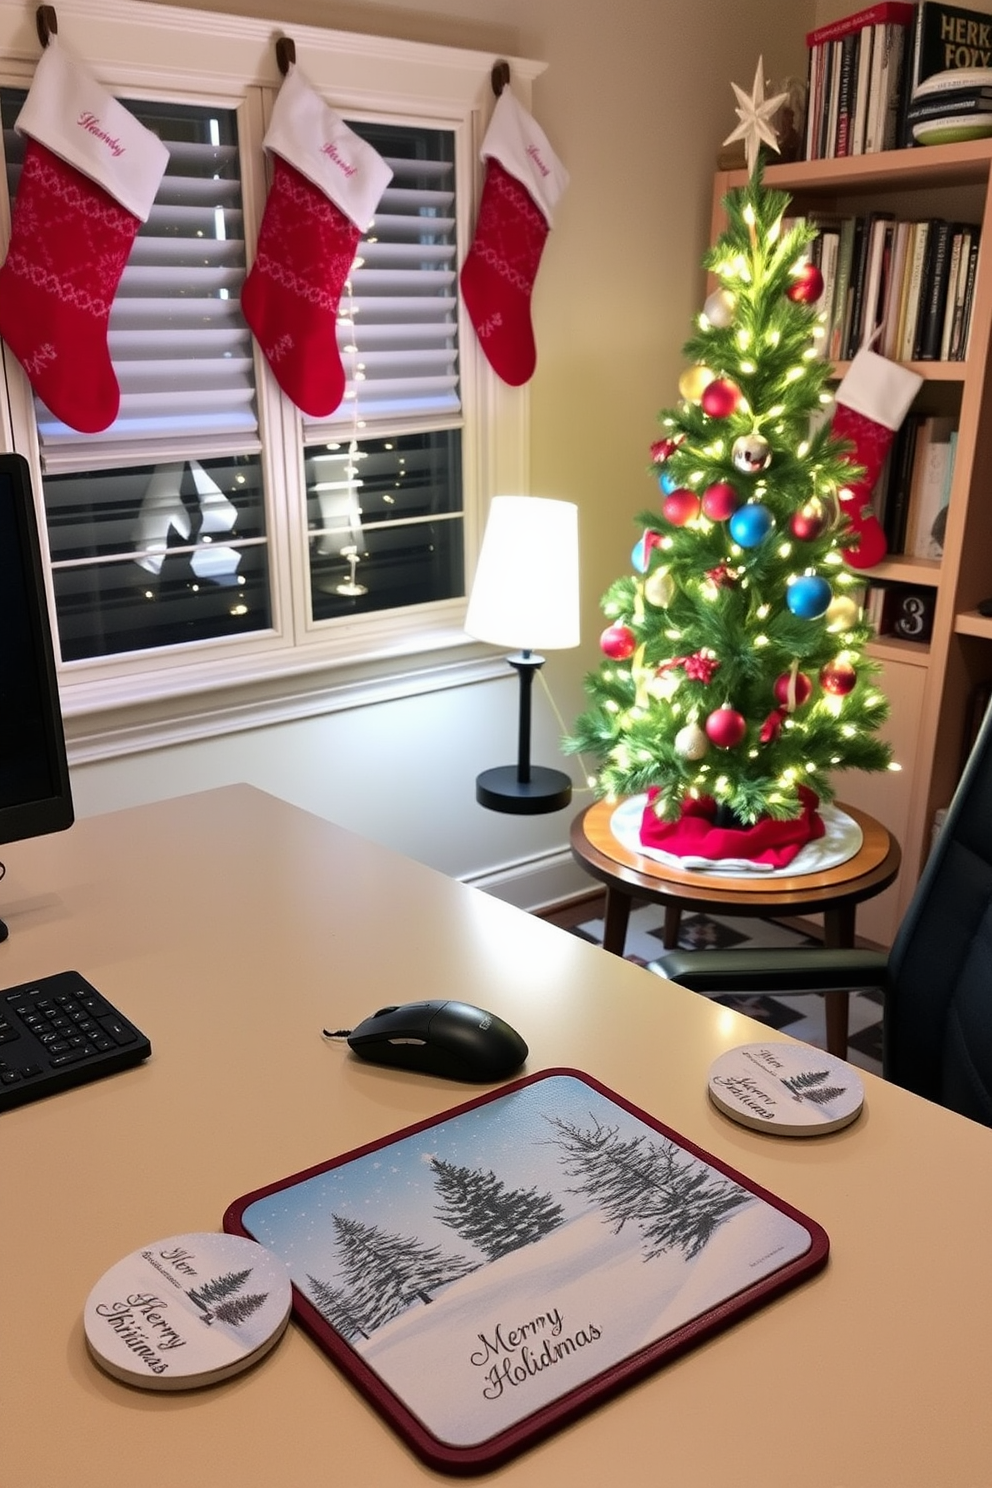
(545, 881)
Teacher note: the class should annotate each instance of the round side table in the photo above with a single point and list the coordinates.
(834, 892)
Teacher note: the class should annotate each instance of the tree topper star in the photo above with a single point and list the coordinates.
(755, 113)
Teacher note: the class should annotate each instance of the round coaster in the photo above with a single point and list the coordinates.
(187, 1311)
(791, 1089)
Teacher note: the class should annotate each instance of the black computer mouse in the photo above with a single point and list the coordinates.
(453, 1039)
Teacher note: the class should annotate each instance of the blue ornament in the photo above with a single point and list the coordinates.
(750, 525)
(808, 597)
(667, 484)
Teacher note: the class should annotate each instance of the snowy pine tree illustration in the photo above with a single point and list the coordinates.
(676, 1201)
(236, 1310)
(808, 1085)
(480, 1208)
(218, 1288)
(334, 1304)
(387, 1273)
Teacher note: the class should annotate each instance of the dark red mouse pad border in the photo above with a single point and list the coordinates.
(487, 1275)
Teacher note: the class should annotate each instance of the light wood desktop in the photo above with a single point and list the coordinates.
(232, 928)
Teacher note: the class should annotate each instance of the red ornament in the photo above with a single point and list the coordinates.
(722, 576)
(662, 448)
(838, 677)
(720, 501)
(809, 522)
(807, 287)
(618, 642)
(720, 398)
(772, 726)
(726, 727)
(798, 689)
(680, 507)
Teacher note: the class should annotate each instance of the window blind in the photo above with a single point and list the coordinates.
(398, 325)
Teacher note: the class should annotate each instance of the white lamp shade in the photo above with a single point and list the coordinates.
(526, 590)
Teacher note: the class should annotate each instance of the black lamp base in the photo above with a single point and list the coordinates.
(500, 790)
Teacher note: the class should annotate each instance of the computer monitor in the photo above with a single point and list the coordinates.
(35, 795)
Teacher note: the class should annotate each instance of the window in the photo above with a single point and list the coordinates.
(213, 545)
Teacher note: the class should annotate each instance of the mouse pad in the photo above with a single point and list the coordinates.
(485, 1276)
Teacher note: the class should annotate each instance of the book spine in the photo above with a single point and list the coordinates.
(893, 68)
(845, 93)
(859, 114)
(910, 78)
(894, 294)
(833, 100)
(855, 292)
(914, 289)
(935, 293)
(890, 11)
(897, 497)
(873, 124)
(829, 249)
(950, 298)
(845, 252)
(969, 295)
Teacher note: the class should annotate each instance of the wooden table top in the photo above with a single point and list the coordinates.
(871, 869)
(232, 928)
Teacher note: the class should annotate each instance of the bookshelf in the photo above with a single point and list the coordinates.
(932, 686)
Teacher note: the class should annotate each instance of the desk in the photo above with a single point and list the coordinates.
(833, 892)
(233, 927)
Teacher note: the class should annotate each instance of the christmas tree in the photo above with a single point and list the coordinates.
(483, 1210)
(386, 1273)
(735, 670)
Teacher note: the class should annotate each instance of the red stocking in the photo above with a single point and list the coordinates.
(326, 185)
(90, 175)
(872, 401)
(524, 180)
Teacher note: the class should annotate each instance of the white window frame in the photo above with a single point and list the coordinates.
(125, 704)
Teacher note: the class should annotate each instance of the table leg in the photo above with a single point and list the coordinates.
(617, 916)
(673, 920)
(838, 930)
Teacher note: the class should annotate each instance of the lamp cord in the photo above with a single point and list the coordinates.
(587, 779)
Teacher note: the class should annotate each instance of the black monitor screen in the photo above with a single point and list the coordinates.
(34, 774)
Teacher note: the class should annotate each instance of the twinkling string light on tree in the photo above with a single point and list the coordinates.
(735, 669)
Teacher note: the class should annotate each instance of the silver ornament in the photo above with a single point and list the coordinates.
(751, 453)
(719, 308)
(659, 587)
(691, 742)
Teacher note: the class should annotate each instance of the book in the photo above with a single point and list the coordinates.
(914, 288)
(867, 279)
(829, 250)
(944, 37)
(893, 311)
(845, 252)
(951, 298)
(876, 278)
(934, 293)
(897, 492)
(859, 114)
(845, 92)
(833, 101)
(969, 294)
(890, 10)
(891, 43)
(930, 481)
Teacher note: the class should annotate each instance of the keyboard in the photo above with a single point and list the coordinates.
(58, 1032)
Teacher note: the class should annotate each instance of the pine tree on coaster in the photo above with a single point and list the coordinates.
(735, 681)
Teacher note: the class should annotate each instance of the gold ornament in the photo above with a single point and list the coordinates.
(659, 587)
(842, 612)
(694, 382)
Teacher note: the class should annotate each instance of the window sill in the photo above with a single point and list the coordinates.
(133, 714)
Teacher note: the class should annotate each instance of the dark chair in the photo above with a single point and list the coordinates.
(937, 978)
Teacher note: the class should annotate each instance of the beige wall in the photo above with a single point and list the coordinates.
(636, 99)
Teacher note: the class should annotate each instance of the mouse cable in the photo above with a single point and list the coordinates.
(335, 1033)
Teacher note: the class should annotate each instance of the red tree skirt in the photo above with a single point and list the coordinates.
(774, 843)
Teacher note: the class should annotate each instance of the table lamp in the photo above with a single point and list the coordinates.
(526, 594)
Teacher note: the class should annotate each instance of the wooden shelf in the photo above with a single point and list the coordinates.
(971, 623)
(930, 687)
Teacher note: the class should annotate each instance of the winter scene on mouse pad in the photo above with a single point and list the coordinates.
(486, 1266)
